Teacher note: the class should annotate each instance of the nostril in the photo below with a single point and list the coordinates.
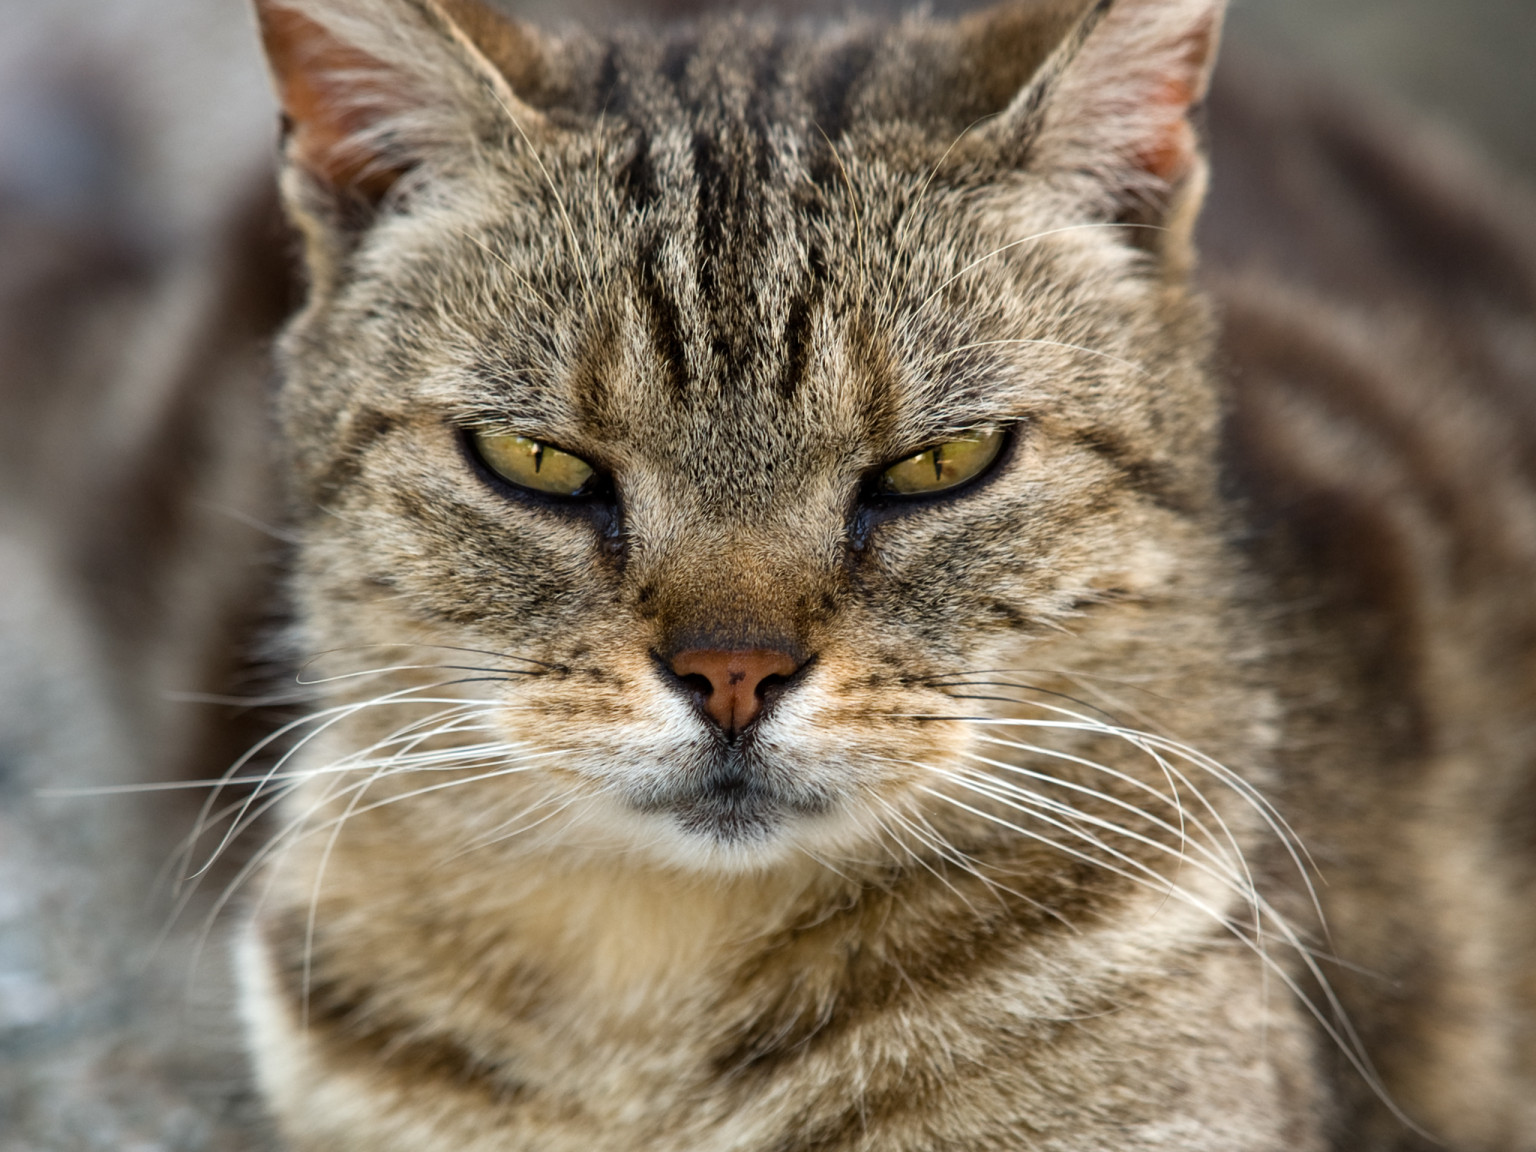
(768, 684)
(698, 684)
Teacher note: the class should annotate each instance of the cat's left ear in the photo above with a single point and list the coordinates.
(375, 90)
(1107, 117)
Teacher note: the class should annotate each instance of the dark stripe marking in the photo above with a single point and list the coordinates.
(713, 185)
(674, 65)
(663, 318)
(1145, 477)
(797, 341)
(349, 1025)
(636, 177)
(760, 104)
(609, 96)
(831, 91)
(363, 431)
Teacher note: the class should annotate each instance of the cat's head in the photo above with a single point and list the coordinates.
(717, 400)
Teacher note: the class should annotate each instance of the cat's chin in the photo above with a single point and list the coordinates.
(733, 816)
(729, 822)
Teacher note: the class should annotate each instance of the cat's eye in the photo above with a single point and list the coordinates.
(944, 466)
(534, 465)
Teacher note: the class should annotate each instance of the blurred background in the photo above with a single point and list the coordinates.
(1469, 63)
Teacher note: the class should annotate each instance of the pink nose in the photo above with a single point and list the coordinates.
(730, 684)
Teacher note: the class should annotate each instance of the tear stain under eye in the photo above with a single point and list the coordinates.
(612, 539)
(861, 527)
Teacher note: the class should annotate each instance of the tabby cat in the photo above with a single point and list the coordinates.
(810, 653)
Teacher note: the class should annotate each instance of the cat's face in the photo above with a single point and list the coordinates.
(742, 634)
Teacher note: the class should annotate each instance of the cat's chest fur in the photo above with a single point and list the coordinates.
(676, 1023)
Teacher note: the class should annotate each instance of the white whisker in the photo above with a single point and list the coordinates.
(1212, 850)
(1131, 364)
(904, 237)
(936, 843)
(299, 827)
(996, 252)
(577, 256)
(329, 718)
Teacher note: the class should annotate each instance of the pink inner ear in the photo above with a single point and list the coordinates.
(330, 93)
(1169, 153)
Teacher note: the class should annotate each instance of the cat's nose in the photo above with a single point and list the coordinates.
(731, 685)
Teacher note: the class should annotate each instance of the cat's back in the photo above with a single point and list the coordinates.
(1377, 287)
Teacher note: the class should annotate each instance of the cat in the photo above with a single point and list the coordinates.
(823, 635)
(792, 671)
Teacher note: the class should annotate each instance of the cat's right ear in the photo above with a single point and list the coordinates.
(1108, 116)
(376, 91)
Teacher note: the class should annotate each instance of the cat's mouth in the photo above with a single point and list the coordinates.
(733, 794)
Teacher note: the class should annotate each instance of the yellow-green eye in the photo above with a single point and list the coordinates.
(943, 466)
(534, 464)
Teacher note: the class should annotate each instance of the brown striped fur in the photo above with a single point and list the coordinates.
(742, 266)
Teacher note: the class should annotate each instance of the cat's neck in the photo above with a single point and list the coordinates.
(613, 930)
(615, 934)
